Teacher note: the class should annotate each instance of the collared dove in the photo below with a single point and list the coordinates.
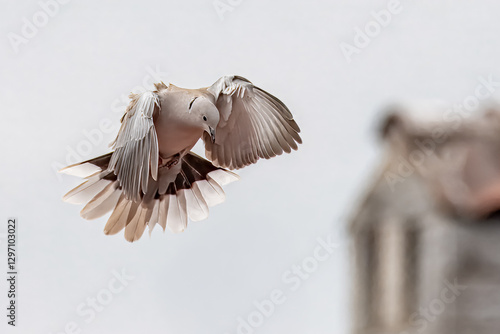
(152, 177)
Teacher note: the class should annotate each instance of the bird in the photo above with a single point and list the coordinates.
(152, 177)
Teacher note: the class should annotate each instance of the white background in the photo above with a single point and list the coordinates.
(69, 77)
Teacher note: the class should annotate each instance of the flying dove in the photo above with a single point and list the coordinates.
(152, 177)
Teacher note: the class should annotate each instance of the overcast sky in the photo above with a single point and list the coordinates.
(64, 76)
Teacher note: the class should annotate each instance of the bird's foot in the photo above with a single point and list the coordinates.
(169, 162)
(173, 162)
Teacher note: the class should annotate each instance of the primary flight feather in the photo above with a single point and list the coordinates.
(152, 177)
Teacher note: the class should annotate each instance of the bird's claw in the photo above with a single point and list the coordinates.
(170, 162)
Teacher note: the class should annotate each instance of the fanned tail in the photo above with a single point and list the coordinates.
(183, 191)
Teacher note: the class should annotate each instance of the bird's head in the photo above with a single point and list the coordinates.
(205, 114)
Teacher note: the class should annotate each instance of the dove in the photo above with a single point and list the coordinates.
(152, 177)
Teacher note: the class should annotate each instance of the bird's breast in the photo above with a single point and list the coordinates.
(173, 136)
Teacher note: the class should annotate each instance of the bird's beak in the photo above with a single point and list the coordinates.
(212, 134)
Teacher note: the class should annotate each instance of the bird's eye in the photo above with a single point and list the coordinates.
(205, 118)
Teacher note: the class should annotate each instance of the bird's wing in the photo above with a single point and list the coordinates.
(253, 124)
(136, 146)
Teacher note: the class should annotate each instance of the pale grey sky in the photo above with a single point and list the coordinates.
(63, 79)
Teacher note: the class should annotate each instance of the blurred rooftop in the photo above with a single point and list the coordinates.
(425, 236)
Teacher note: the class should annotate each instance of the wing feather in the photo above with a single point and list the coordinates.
(253, 124)
(136, 147)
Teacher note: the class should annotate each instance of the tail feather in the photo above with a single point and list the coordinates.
(136, 226)
(176, 216)
(102, 203)
(184, 191)
(87, 190)
(118, 218)
(154, 216)
(211, 191)
(198, 207)
(89, 167)
(163, 211)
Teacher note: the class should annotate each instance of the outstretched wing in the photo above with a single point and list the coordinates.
(253, 124)
(136, 146)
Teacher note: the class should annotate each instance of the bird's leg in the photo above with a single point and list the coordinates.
(161, 161)
(174, 161)
(168, 162)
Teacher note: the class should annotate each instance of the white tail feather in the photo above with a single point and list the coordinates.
(223, 177)
(102, 203)
(81, 170)
(86, 191)
(169, 202)
(197, 207)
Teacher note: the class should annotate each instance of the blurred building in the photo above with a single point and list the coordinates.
(426, 235)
